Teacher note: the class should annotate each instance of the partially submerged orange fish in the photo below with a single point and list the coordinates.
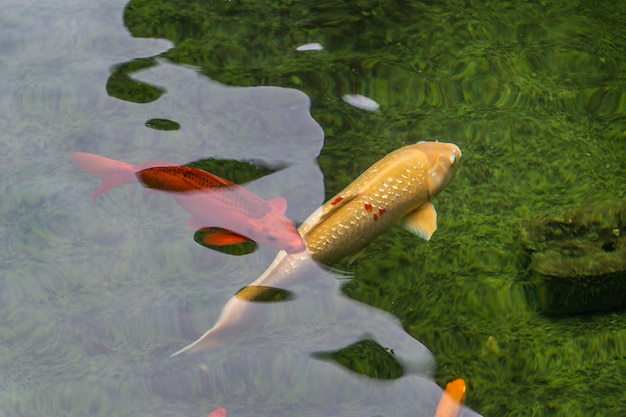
(397, 188)
(452, 399)
(212, 201)
(220, 412)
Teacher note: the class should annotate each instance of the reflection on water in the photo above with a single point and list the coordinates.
(289, 357)
(93, 298)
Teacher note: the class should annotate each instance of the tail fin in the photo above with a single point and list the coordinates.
(231, 323)
(112, 173)
(206, 341)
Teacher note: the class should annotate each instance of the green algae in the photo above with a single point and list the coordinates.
(238, 172)
(162, 124)
(366, 358)
(122, 86)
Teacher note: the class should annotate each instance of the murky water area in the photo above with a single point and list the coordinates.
(95, 296)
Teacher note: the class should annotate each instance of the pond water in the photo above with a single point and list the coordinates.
(95, 296)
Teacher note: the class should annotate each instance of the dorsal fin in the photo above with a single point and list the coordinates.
(324, 212)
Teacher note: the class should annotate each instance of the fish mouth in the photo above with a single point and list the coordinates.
(296, 248)
(299, 250)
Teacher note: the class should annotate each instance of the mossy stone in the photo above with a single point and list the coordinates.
(578, 259)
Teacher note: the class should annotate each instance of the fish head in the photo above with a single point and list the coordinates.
(280, 233)
(443, 158)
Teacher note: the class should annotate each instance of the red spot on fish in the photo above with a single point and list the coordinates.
(368, 207)
(375, 217)
(336, 201)
(381, 211)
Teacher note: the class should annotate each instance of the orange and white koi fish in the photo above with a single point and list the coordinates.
(397, 188)
(220, 412)
(212, 201)
(452, 399)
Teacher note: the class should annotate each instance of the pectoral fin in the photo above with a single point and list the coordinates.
(224, 241)
(223, 238)
(352, 258)
(422, 221)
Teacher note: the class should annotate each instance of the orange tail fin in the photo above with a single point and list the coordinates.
(112, 173)
(452, 399)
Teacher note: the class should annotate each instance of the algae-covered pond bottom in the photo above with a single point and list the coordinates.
(94, 297)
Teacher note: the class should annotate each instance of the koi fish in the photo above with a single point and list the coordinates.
(397, 188)
(220, 412)
(452, 399)
(212, 201)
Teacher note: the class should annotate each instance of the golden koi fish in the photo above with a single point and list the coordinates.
(397, 188)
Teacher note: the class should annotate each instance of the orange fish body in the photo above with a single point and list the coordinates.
(180, 178)
(397, 188)
(212, 201)
(452, 399)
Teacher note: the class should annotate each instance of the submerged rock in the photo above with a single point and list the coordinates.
(578, 259)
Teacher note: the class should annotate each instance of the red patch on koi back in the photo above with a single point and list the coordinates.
(376, 213)
(336, 201)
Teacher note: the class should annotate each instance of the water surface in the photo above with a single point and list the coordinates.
(94, 297)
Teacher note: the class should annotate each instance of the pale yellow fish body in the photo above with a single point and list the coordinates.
(397, 188)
